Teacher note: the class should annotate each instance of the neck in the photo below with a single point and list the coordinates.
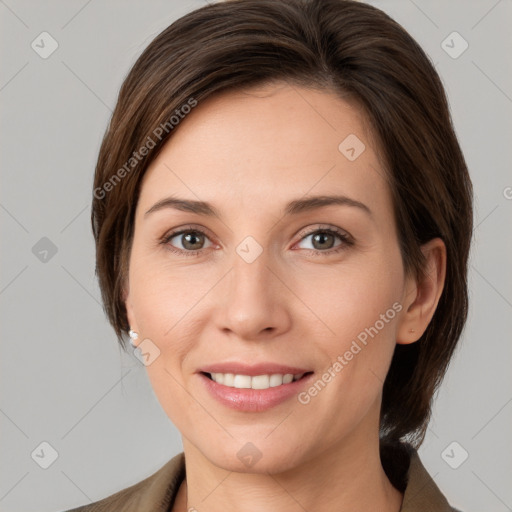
(346, 477)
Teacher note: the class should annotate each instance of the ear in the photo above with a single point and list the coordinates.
(126, 298)
(422, 296)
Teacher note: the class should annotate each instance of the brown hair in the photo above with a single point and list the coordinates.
(343, 46)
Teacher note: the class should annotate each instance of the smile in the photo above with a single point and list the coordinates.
(253, 393)
(255, 381)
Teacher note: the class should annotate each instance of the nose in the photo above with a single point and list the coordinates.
(253, 303)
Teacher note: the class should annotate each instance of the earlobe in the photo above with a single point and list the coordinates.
(424, 294)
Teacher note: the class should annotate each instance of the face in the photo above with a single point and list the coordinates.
(264, 281)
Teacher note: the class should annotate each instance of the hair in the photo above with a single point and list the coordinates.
(342, 46)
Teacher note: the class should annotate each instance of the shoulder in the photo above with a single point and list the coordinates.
(407, 473)
(156, 492)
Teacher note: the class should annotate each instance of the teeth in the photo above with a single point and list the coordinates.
(256, 382)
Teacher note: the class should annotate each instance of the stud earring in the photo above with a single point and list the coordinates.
(133, 337)
(411, 330)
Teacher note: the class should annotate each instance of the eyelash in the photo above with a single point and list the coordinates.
(345, 239)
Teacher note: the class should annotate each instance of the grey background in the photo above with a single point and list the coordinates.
(64, 379)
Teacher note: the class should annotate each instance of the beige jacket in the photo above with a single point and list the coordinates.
(157, 492)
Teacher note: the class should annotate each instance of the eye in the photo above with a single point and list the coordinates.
(323, 240)
(186, 241)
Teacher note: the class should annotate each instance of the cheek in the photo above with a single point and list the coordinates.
(353, 297)
(361, 306)
(163, 301)
(362, 312)
(164, 294)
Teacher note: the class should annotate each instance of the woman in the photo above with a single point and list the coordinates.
(283, 216)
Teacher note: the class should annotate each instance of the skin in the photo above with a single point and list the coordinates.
(299, 303)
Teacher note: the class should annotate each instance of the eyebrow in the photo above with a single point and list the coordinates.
(292, 208)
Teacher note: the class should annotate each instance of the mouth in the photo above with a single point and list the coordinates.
(253, 387)
(253, 393)
(257, 382)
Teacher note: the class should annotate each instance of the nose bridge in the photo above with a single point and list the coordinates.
(250, 274)
(253, 300)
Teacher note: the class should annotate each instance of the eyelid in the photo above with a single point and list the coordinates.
(188, 227)
(327, 227)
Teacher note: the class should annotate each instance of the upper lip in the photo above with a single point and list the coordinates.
(254, 369)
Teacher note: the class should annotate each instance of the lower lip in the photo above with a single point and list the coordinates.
(253, 400)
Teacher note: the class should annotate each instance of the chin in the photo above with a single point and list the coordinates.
(255, 458)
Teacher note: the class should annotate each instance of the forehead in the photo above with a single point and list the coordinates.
(265, 145)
